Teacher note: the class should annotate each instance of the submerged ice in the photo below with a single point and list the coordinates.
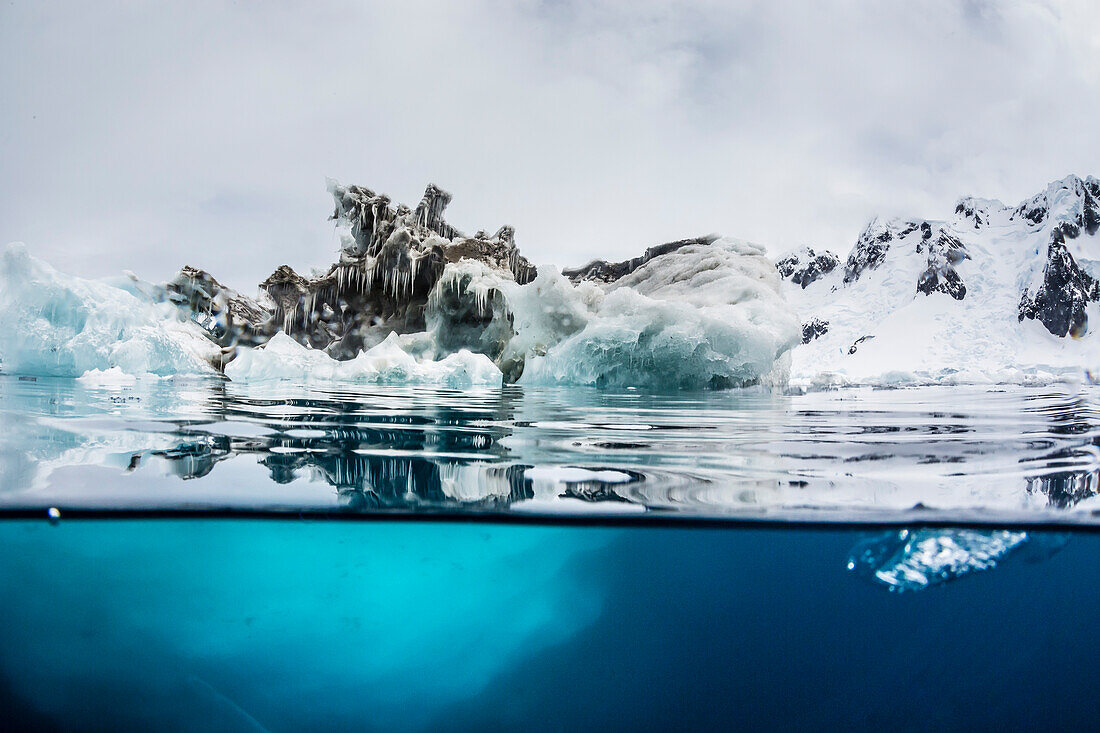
(914, 559)
(908, 560)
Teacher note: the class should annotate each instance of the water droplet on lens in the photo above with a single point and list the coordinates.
(53, 514)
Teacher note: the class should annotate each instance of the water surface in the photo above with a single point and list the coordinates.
(954, 454)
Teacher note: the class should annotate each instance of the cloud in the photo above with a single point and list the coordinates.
(149, 136)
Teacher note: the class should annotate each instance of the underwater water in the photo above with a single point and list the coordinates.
(198, 554)
(285, 624)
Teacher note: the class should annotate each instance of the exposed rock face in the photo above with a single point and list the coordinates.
(228, 317)
(390, 261)
(1061, 300)
(806, 266)
(813, 328)
(999, 266)
(941, 251)
(976, 212)
(1079, 198)
(855, 345)
(389, 264)
(944, 252)
(398, 237)
(608, 272)
(870, 250)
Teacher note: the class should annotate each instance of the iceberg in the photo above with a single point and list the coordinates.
(60, 325)
(908, 560)
(413, 299)
(702, 316)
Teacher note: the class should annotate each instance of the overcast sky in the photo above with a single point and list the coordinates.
(142, 136)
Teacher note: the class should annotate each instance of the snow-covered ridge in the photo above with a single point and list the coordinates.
(991, 293)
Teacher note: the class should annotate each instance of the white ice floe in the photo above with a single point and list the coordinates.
(284, 358)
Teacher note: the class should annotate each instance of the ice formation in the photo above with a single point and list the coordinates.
(908, 560)
(388, 362)
(701, 316)
(697, 313)
(59, 325)
(993, 294)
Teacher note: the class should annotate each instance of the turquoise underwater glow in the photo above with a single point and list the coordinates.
(286, 624)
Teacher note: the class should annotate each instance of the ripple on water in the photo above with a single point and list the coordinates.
(943, 453)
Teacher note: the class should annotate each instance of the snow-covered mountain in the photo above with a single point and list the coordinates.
(992, 293)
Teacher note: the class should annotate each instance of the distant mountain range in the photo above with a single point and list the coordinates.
(958, 298)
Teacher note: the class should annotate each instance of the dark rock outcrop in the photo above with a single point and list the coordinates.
(389, 263)
(855, 344)
(870, 250)
(814, 328)
(228, 317)
(388, 266)
(608, 272)
(806, 266)
(944, 253)
(976, 212)
(1083, 196)
(1060, 302)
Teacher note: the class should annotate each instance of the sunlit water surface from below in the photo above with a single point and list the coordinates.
(956, 454)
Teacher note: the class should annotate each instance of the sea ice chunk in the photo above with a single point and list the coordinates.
(284, 358)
